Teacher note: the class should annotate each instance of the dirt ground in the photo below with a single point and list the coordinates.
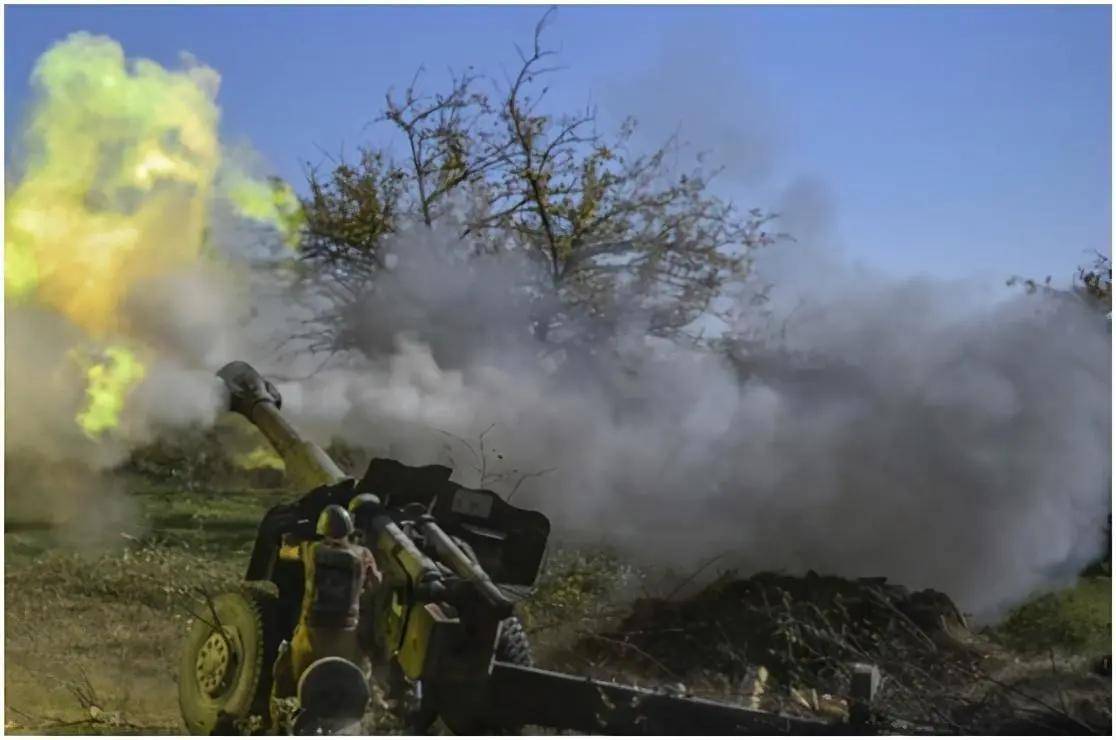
(93, 632)
(92, 635)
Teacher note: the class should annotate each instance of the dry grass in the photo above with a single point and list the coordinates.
(92, 639)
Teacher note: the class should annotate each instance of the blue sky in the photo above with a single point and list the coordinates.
(954, 141)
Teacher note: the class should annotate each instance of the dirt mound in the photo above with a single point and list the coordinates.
(789, 643)
(798, 628)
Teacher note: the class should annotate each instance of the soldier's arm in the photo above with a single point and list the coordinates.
(372, 575)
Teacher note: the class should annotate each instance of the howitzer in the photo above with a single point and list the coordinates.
(440, 630)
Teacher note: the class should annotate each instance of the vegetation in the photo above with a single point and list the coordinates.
(1076, 619)
(608, 230)
(114, 669)
(1092, 284)
(92, 638)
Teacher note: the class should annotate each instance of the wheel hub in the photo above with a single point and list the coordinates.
(215, 663)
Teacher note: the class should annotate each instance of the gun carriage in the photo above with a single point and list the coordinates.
(441, 629)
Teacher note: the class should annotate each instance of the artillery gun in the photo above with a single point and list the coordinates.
(441, 629)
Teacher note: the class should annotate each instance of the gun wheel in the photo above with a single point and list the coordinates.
(225, 671)
(514, 647)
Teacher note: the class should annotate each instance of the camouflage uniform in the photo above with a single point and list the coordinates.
(337, 573)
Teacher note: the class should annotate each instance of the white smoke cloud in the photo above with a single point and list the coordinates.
(917, 429)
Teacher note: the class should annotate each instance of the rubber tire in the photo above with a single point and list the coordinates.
(251, 614)
(513, 647)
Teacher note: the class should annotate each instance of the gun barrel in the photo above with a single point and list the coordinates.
(256, 399)
(463, 565)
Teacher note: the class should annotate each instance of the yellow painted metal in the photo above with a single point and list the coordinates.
(417, 638)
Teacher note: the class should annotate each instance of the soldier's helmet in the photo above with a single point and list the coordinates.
(365, 503)
(363, 509)
(335, 523)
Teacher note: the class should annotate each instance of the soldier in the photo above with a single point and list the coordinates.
(363, 508)
(337, 574)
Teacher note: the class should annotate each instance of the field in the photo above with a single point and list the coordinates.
(92, 633)
(92, 636)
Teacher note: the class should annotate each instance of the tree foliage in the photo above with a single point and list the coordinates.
(612, 233)
(1092, 283)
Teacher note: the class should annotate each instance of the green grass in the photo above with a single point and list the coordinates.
(112, 617)
(115, 615)
(223, 523)
(1075, 619)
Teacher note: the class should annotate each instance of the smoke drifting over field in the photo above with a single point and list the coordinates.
(910, 428)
